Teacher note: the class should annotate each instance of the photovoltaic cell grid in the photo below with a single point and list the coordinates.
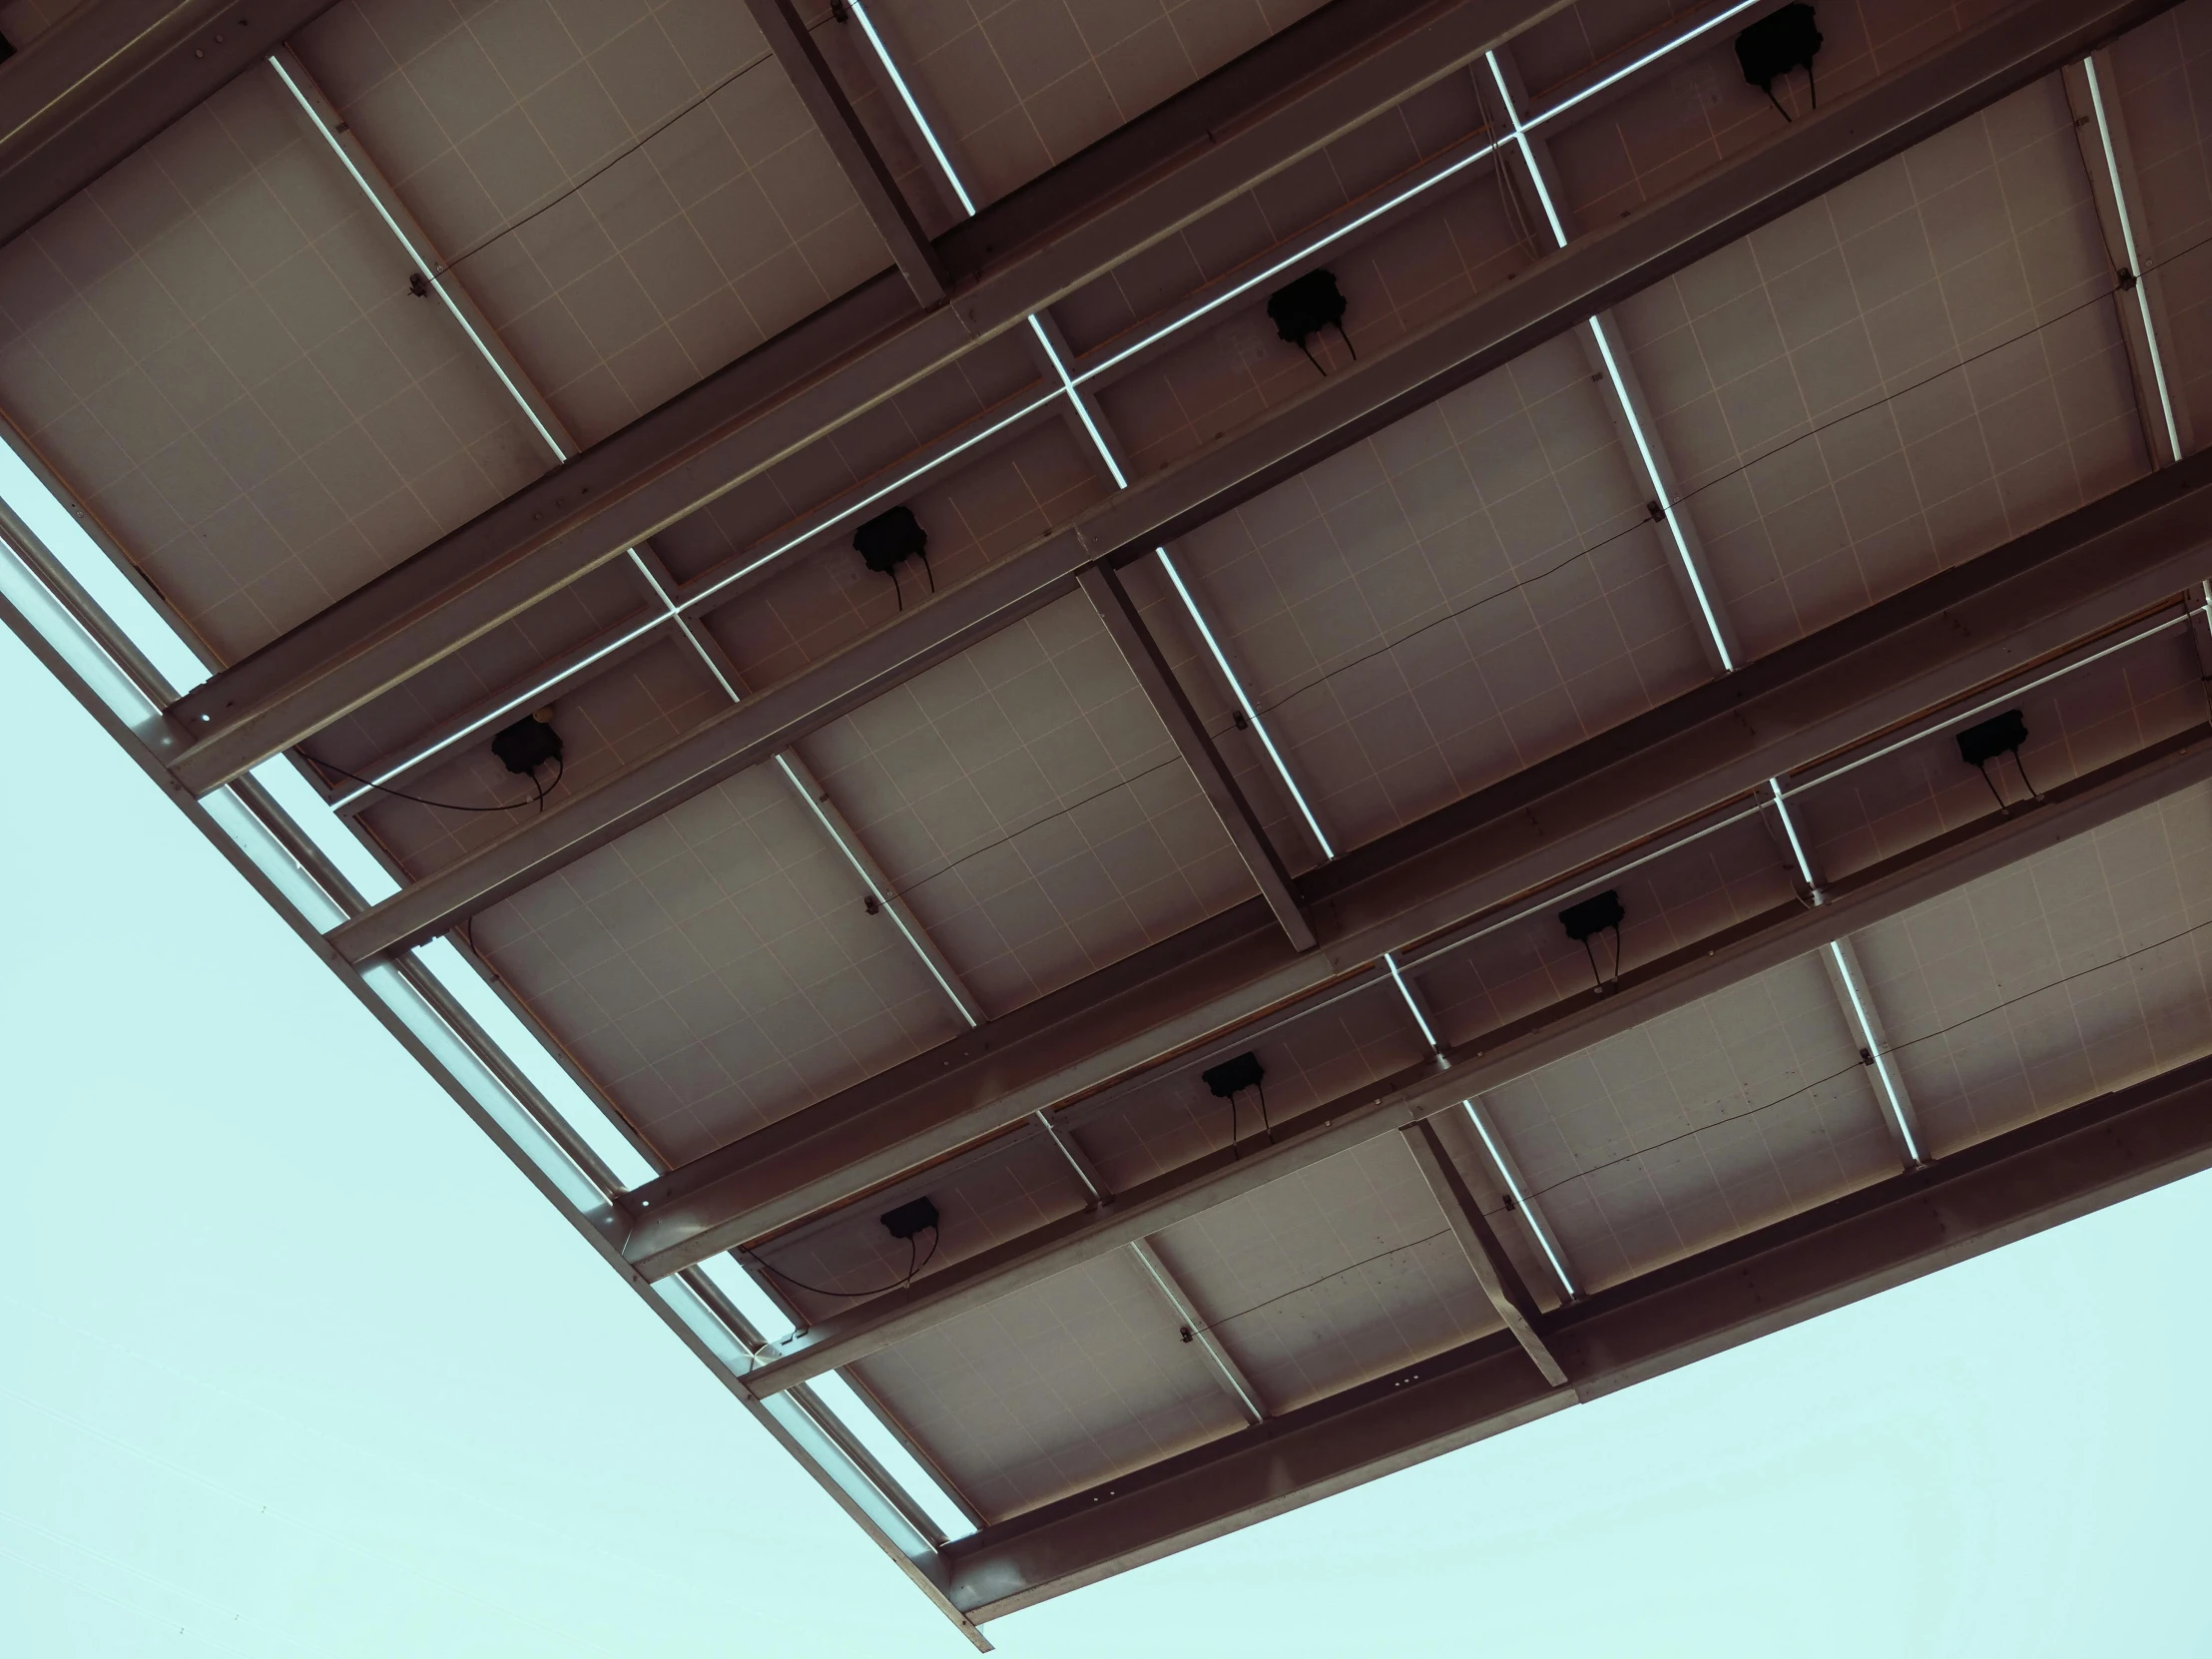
(1921, 364)
(215, 346)
(1014, 88)
(1918, 366)
(632, 193)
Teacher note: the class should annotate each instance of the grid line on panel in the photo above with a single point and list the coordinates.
(1305, 250)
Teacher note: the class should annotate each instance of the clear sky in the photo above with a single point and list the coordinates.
(292, 1362)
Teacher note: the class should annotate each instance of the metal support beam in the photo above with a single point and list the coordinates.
(1919, 650)
(1695, 970)
(2048, 1172)
(1157, 681)
(109, 76)
(1493, 1269)
(1286, 98)
(831, 112)
(1793, 167)
(1196, 1330)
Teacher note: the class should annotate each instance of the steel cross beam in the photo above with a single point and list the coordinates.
(2050, 1171)
(1695, 970)
(1493, 1269)
(1188, 732)
(1919, 650)
(1289, 97)
(110, 76)
(1558, 295)
(855, 153)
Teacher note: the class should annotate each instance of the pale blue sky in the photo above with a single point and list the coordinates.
(296, 1363)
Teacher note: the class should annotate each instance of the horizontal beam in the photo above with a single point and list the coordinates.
(1558, 294)
(1694, 971)
(1286, 98)
(1918, 650)
(109, 76)
(2048, 1172)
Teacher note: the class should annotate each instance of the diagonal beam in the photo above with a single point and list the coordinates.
(2017, 1184)
(1196, 1330)
(1493, 1269)
(1695, 970)
(1289, 97)
(831, 112)
(110, 76)
(1157, 681)
(1792, 166)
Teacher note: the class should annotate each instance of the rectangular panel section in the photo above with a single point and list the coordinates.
(632, 191)
(1916, 368)
(2078, 970)
(215, 347)
(1706, 1123)
(1056, 1388)
(1467, 592)
(1026, 802)
(716, 968)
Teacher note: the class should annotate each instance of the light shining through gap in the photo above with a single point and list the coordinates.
(1520, 1199)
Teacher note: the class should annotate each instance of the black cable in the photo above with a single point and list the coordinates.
(1235, 1151)
(1983, 769)
(2029, 781)
(1777, 103)
(1315, 361)
(912, 1267)
(1346, 339)
(1590, 950)
(1260, 1089)
(1812, 86)
(453, 806)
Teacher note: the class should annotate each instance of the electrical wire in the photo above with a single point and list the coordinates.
(912, 1267)
(559, 766)
(1260, 1089)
